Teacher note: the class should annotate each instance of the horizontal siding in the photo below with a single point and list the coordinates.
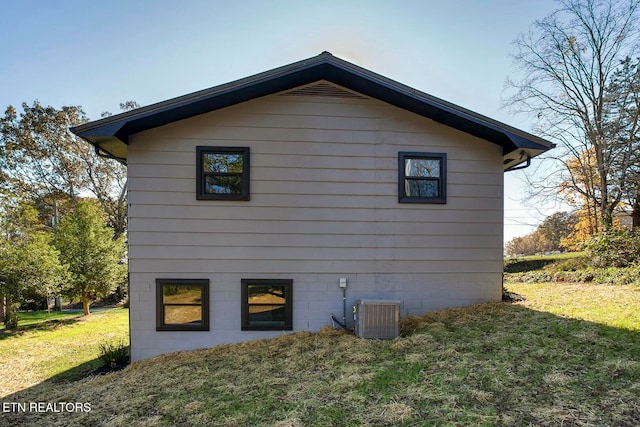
(288, 141)
(259, 268)
(370, 154)
(212, 212)
(320, 174)
(224, 239)
(315, 227)
(320, 167)
(323, 205)
(311, 188)
(259, 201)
(220, 255)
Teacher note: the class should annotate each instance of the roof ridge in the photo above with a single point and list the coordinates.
(114, 131)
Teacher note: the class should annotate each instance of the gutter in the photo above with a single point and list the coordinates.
(107, 155)
(515, 168)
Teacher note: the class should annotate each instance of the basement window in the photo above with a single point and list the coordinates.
(267, 304)
(222, 173)
(182, 304)
(422, 177)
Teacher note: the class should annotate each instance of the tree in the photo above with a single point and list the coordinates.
(624, 102)
(94, 257)
(44, 160)
(570, 61)
(41, 156)
(581, 188)
(550, 236)
(29, 264)
(584, 228)
(109, 182)
(555, 228)
(524, 245)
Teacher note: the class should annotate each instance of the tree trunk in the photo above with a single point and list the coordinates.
(1, 308)
(85, 302)
(606, 217)
(635, 216)
(8, 313)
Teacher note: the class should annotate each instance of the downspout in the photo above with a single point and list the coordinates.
(515, 168)
(106, 155)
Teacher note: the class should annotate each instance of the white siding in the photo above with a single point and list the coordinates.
(323, 206)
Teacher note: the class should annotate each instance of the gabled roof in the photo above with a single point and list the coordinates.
(111, 135)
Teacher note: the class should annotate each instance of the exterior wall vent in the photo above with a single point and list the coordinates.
(323, 89)
(377, 319)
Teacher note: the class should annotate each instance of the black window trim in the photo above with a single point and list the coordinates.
(200, 173)
(161, 326)
(442, 180)
(288, 326)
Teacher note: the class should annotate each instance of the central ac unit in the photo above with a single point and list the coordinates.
(377, 318)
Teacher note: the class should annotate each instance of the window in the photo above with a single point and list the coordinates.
(422, 177)
(222, 173)
(182, 304)
(267, 304)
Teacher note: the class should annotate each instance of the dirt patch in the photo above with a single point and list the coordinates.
(511, 296)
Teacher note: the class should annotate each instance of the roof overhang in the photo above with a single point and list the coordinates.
(110, 135)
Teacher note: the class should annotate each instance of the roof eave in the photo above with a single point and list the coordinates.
(112, 133)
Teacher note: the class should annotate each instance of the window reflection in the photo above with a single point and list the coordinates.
(426, 168)
(222, 163)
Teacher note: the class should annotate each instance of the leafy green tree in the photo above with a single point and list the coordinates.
(555, 228)
(550, 236)
(41, 158)
(29, 264)
(521, 245)
(94, 257)
(41, 154)
(616, 248)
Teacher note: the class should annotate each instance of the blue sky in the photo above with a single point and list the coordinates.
(98, 54)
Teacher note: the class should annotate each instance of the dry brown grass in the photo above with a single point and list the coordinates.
(492, 364)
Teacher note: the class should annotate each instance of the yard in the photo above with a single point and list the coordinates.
(567, 355)
(58, 345)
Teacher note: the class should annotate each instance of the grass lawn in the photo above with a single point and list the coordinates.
(36, 317)
(65, 345)
(554, 257)
(567, 355)
(611, 305)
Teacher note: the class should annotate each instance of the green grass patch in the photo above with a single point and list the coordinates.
(567, 355)
(561, 273)
(535, 262)
(29, 318)
(552, 257)
(607, 305)
(65, 348)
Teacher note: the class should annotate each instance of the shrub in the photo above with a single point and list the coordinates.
(570, 264)
(519, 266)
(410, 325)
(618, 248)
(611, 275)
(114, 354)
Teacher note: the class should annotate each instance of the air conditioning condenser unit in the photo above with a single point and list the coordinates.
(377, 318)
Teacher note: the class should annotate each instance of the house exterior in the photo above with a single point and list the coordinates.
(250, 202)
